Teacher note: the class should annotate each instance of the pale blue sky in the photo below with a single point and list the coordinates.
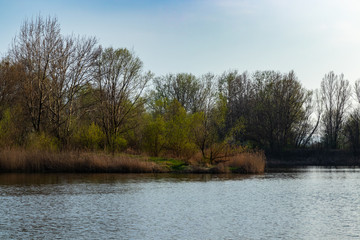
(310, 37)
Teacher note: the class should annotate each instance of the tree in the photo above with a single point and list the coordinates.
(207, 131)
(56, 69)
(154, 135)
(352, 124)
(273, 109)
(34, 48)
(237, 89)
(10, 84)
(352, 131)
(191, 92)
(70, 72)
(335, 93)
(120, 81)
(308, 126)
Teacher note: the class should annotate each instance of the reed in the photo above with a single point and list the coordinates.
(247, 162)
(20, 160)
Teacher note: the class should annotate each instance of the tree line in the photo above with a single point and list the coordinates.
(68, 92)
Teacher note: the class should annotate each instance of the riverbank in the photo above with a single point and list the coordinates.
(27, 161)
(312, 157)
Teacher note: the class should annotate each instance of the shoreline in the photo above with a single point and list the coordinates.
(29, 161)
(313, 157)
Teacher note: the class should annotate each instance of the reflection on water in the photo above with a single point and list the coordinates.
(308, 203)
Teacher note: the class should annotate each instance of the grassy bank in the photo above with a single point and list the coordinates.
(20, 160)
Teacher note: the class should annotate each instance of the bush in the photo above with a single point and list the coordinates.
(90, 137)
(120, 143)
(42, 141)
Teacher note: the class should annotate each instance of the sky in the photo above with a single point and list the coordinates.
(311, 37)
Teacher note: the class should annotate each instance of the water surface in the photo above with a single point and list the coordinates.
(311, 203)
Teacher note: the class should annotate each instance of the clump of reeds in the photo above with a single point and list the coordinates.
(20, 160)
(247, 162)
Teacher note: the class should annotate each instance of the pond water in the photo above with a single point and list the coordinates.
(310, 203)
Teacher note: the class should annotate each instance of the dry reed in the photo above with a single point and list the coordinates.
(19, 160)
(247, 162)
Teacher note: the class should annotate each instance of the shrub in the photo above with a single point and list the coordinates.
(90, 137)
(119, 143)
(42, 141)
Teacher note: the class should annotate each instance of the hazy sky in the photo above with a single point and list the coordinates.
(310, 37)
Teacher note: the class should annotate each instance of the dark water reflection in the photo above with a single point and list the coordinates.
(309, 203)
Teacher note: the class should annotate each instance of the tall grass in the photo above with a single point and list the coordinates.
(41, 161)
(19, 160)
(247, 162)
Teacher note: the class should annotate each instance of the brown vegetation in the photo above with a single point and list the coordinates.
(31, 161)
(17, 160)
(247, 162)
(236, 162)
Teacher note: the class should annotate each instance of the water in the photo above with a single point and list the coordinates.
(312, 203)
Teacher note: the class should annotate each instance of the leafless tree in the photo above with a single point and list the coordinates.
(56, 68)
(238, 90)
(335, 93)
(307, 126)
(193, 93)
(34, 48)
(73, 67)
(10, 77)
(121, 82)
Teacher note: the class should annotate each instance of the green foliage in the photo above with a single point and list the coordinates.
(177, 130)
(236, 132)
(352, 131)
(12, 127)
(170, 164)
(154, 135)
(42, 141)
(119, 143)
(169, 129)
(90, 137)
(6, 128)
(190, 91)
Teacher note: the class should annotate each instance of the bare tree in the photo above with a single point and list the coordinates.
(274, 108)
(72, 68)
(239, 94)
(352, 125)
(357, 90)
(193, 93)
(335, 93)
(10, 77)
(34, 49)
(120, 82)
(57, 68)
(308, 126)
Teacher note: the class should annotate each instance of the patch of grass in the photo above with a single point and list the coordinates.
(171, 164)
